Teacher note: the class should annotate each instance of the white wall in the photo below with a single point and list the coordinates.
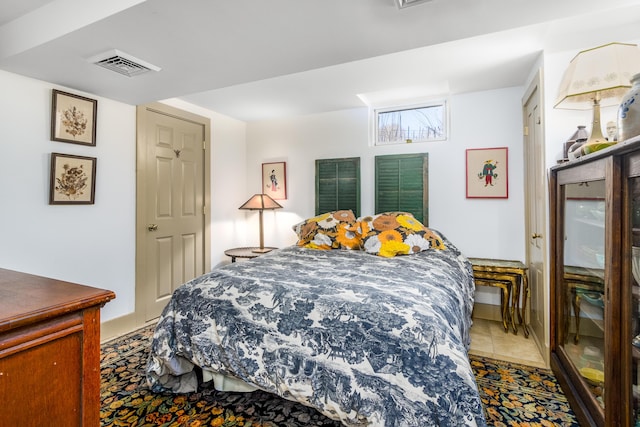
(491, 228)
(95, 244)
(88, 244)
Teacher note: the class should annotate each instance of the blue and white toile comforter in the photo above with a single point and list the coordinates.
(367, 340)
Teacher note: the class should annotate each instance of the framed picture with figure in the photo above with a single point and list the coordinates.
(274, 180)
(487, 173)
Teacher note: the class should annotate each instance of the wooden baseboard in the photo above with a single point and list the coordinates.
(116, 327)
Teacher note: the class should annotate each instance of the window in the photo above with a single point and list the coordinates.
(402, 184)
(417, 123)
(338, 185)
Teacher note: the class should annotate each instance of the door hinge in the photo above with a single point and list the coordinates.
(526, 131)
(204, 209)
(204, 145)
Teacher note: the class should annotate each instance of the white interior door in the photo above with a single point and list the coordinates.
(172, 225)
(535, 184)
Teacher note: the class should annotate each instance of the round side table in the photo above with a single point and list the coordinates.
(249, 252)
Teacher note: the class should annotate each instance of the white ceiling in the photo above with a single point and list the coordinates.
(258, 59)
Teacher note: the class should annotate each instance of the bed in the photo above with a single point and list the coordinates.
(365, 339)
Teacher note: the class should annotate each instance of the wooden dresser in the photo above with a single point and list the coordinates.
(49, 351)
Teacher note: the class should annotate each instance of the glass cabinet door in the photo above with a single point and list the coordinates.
(583, 290)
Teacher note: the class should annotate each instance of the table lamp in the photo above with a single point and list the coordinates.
(595, 77)
(260, 202)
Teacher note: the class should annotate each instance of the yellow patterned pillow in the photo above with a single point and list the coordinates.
(330, 230)
(396, 233)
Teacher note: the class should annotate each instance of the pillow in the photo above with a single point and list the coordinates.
(396, 233)
(330, 230)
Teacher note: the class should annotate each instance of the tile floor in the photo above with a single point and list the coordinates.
(489, 339)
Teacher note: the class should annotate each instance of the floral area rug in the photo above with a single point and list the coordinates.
(519, 395)
(512, 395)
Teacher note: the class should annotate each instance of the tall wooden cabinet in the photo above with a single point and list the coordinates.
(595, 279)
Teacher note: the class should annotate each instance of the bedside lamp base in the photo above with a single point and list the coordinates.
(262, 250)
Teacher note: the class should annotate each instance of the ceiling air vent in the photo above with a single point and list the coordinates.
(406, 3)
(122, 63)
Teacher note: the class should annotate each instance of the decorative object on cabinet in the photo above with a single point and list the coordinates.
(49, 351)
(487, 173)
(73, 118)
(612, 131)
(274, 180)
(598, 77)
(573, 144)
(595, 299)
(73, 180)
(260, 202)
(629, 110)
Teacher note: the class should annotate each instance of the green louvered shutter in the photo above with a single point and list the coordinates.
(338, 185)
(402, 184)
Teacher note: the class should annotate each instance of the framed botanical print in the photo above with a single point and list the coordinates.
(73, 180)
(73, 118)
(274, 180)
(487, 173)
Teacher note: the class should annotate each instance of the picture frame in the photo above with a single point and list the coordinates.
(487, 172)
(274, 180)
(73, 118)
(72, 180)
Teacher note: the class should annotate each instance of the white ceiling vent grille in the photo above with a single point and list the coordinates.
(406, 3)
(122, 63)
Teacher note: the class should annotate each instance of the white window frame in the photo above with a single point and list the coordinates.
(402, 137)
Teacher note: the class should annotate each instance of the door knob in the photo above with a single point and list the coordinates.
(536, 236)
(152, 227)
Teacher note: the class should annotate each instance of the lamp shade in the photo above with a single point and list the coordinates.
(602, 73)
(259, 202)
